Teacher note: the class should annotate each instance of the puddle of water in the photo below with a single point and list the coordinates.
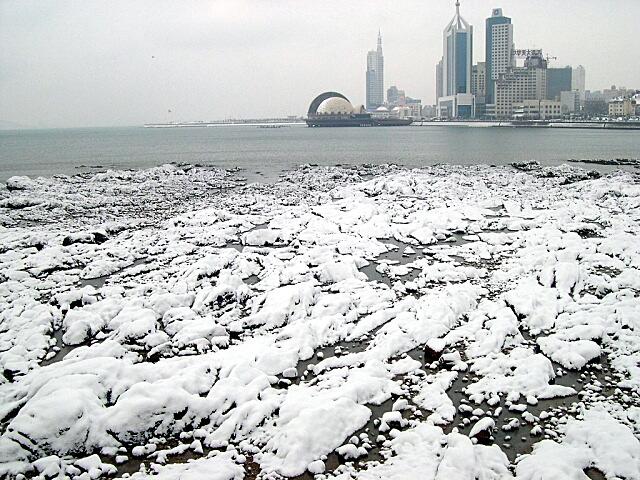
(594, 474)
(98, 282)
(61, 349)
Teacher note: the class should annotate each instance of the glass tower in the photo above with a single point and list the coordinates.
(458, 56)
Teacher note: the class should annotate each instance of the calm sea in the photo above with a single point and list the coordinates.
(264, 153)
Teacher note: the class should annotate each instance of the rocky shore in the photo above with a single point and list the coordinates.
(368, 322)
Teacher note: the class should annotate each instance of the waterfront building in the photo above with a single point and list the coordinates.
(595, 108)
(332, 109)
(375, 77)
(550, 109)
(558, 80)
(498, 50)
(429, 111)
(415, 107)
(570, 102)
(578, 81)
(537, 110)
(457, 61)
(403, 111)
(462, 105)
(622, 107)
(518, 84)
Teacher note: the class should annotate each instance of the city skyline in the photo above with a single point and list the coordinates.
(62, 67)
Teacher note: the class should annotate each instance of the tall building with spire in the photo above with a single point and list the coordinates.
(498, 49)
(457, 55)
(375, 76)
(457, 61)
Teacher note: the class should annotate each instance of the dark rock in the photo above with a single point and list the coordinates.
(431, 355)
(526, 166)
(85, 237)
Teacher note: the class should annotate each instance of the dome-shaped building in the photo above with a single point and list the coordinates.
(332, 109)
(335, 106)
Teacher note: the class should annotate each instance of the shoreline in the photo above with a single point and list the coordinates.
(587, 125)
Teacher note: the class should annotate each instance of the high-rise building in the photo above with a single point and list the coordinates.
(479, 87)
(558, 80)
(518, 84)
(458, 56)
(439, 92)
(499, 50)
(375, 76)
(479, 81)
(455, 99)
(578, 80)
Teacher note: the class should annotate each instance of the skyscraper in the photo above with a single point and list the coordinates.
(455, 99)
(375, 76)
(558, 80)
(499, 49)
(578, 80)
(457, 56)
(439, 92)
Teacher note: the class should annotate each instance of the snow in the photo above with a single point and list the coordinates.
(198, 336)
(305, 432)
(222, 466)
(482, 425)
(598, 440)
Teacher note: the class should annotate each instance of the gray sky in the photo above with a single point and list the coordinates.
(90, 63)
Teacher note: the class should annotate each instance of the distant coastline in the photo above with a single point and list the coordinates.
(583, 124)
(608, 125)
(230, 123)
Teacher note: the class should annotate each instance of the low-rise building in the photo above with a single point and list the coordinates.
(622, 107)
(429, 111)
(402, 111)
(536, 110)
(550, 109)
(415, 105)
(462, 105)
(595, 108)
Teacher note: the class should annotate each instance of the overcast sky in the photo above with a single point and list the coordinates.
(126, 62)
